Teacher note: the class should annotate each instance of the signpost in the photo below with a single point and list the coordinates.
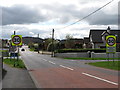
(16, 41)
(111, 45)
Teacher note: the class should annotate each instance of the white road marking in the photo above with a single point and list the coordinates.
(66, 67)
(100, 79)
(72, 60)
(51, 62)
(44, 59)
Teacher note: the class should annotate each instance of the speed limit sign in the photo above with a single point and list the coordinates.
(16, 40)
(111, 41)
(111, 44)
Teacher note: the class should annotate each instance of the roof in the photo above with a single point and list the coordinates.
(96, 35)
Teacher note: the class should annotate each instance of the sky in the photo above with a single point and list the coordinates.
(33, 17)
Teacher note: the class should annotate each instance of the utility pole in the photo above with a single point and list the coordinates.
(52, 43)
(14, 32)
(38, 43)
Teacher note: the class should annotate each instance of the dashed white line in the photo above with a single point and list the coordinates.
(66, 67)
(100, 79)
(44, 59)
(51, 62)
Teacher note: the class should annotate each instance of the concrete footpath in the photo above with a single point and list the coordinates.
(17, 78)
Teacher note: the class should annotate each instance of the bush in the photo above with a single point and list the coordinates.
(80, 50)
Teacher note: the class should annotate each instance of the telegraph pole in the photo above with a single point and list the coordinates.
(38, 43)
(52, 55)
(14, 32)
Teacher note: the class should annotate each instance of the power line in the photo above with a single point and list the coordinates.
(88, 15)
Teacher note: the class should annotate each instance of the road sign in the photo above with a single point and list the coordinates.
(110, 44)
(111, 41)
(16, 40)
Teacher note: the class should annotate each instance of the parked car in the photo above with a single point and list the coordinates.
(22, 49)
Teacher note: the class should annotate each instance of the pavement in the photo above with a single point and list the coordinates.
(49, 72)
(17, 78)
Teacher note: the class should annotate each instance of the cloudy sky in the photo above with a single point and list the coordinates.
(30, 17)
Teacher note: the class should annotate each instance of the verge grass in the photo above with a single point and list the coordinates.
(109, 65)
(14, 63)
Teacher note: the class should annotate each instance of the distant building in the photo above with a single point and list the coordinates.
(86, 42)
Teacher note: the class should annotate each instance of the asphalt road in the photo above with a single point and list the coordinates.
(49, 72)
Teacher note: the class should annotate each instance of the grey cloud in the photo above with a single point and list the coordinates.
(102, 18)
(20, 14)
(8, 30)
(67, 13)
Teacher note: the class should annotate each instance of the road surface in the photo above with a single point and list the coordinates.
(49, 72)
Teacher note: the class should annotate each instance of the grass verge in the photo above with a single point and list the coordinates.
(14, 63)
(91, 58)
(108, 65)
(31, 49)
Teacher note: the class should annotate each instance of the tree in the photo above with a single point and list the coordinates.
(69, 43)
(47, 41)
(68, 37)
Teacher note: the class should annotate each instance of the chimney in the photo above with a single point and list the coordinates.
(108, 29)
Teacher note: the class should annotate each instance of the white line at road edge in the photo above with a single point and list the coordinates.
(51, 62)
(66, 67)
(100, 79)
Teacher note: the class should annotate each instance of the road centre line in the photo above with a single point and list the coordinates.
(100, 78)
(51, 62)
(44, 59)
(66, 67)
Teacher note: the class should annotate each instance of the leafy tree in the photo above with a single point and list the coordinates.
(69, 43)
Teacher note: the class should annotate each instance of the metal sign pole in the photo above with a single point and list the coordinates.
(18, 56)
(113, 59)
(111, 45)
(108, 58)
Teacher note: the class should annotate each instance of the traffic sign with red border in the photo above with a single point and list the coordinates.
(110, 44)
(16, 40)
